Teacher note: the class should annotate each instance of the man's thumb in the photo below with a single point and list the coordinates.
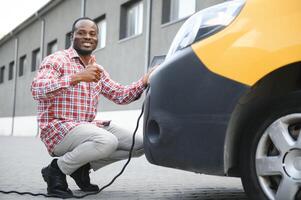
(91, 61)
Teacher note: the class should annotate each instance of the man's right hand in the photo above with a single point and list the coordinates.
(92, 73)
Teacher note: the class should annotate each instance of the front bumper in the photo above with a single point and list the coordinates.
(187, 112)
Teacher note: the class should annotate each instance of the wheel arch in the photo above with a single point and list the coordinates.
(277, 83)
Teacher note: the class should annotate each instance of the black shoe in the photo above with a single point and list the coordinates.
(56, 181)
(82, 179)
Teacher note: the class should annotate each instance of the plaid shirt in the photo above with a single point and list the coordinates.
(62, 106)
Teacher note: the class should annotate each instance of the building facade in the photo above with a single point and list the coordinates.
(131, 33)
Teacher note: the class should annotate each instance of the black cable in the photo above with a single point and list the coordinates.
(101, 189)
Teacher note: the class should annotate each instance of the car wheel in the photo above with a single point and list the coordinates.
(270, 156)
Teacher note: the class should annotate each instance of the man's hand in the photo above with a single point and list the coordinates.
(91, 73)
(146, 76)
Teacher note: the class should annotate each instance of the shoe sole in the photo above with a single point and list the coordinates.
(84, 190)
(63, 196)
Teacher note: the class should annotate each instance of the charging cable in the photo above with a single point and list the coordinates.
(101, 189)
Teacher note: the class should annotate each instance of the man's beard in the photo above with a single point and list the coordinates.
(83, 52)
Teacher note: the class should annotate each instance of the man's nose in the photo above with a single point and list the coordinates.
(87, 36)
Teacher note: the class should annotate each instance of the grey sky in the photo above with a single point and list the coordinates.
(14, 12)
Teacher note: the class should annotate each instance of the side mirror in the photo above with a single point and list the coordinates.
(157, 60)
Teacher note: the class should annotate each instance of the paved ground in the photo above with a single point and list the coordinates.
(21, 159)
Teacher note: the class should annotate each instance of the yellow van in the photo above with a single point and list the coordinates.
(227, 98)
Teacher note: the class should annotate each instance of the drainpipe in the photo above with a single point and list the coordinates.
(42, 39)
(83, 8)
(15, 84)
(148, 32)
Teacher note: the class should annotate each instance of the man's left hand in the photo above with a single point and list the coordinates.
(147, 75)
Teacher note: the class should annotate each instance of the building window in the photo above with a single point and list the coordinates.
(22, 65)
(102, 35)
(173, 10)
(52, 47)
(68, 40)
(11, 70)
(131, 22)
(36, 59)
(2, 70)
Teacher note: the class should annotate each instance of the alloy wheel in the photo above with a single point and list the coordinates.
(278, 159)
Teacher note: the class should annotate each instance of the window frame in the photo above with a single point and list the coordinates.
(167, 12)
(98, 20)
(22, 65)
(11, 67)
(50, 46)
(124, 16)
(68, 40)
(34, 65)
(2, 74)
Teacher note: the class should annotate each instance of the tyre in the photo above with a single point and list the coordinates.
(270, 152)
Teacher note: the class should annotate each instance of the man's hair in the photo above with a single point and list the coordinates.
(80, 19)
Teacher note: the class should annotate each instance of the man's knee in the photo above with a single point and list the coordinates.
(139, 149)
(139, 142)
(106, 145)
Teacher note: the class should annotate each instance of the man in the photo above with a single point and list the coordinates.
(67, 88)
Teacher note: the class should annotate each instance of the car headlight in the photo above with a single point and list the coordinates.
(205, 23)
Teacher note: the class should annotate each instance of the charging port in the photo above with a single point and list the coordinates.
(153, 131)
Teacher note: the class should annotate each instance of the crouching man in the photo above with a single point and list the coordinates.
(67, 88)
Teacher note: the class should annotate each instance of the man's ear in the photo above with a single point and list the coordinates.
(71, 38)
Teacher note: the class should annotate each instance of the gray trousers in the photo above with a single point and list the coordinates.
(88, 143)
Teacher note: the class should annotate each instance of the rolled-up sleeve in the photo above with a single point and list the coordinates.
(118, 93)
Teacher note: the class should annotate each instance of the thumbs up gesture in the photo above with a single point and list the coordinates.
(92, 73)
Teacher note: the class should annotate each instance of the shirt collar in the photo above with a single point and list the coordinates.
(72, 53)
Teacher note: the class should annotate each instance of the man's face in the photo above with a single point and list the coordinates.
(85, 37)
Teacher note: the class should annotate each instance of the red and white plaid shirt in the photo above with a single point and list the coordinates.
(62, 106)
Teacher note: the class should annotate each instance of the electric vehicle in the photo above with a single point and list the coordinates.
(227, 98)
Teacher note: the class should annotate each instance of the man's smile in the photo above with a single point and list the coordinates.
(87, 44)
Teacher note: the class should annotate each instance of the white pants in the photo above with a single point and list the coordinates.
(88, 143)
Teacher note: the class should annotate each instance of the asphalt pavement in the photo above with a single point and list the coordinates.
(21, 159)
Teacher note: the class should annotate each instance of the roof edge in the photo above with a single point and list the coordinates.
(37, 15)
